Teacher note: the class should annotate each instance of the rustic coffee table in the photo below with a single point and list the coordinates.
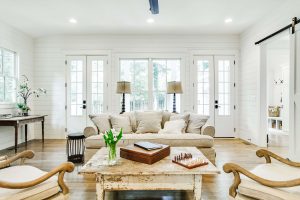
(162, 175)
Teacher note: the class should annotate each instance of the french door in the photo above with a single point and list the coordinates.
(85, 88)
(214, 89)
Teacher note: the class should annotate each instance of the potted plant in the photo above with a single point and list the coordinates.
(25, 92)
(111, 139)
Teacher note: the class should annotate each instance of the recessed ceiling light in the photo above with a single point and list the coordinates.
(150, 20)
(73, 21)
(228, 20)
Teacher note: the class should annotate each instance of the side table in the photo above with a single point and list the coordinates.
(75, 147)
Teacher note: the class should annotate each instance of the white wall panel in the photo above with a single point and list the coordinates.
(21, 43)
(49, 56)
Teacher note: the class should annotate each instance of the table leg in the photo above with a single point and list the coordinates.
(197, 187)
(100, 193)
(43, 133)
(26, 134)
(16, 137)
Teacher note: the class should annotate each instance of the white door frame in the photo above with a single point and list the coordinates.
(106, 53)
(215, 52)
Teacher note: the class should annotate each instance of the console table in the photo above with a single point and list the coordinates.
(16, 122)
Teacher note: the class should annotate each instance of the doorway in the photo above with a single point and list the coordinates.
(85, 87)
(214, 92)
(278, 96)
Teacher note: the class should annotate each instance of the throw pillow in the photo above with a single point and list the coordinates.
(165, 117)
(101, 121)
(132, 119)
(184, 116)
(174, 127)
(148, 122)
(195, 123)
(119, 121)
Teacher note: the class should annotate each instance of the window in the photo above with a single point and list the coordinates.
(148, 90)
(163, 72)
(76, 87)
(8, 76)
(136, 72)
(97, 86)
(203, 87)
(224, 87)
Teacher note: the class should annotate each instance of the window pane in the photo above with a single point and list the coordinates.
(165, 70)
(224, 87)
(10, 89)
(97, 86)
(203, 87)
(8, 63)
(1, 61)
(2, 89)
(76, 87)
(136, 72)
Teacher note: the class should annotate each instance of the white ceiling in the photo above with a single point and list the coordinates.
(51, 17)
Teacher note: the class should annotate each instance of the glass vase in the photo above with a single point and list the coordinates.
(112, 154)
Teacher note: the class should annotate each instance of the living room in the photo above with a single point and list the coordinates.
(201, 67)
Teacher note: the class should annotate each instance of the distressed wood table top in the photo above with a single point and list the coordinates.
(98, 165)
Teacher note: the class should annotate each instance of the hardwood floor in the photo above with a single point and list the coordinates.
(53, 152)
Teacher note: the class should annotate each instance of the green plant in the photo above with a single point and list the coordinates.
(23, 107)
(112, 137)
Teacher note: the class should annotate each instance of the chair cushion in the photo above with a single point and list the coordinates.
(273, 172)
(175, 140)
(24, 173)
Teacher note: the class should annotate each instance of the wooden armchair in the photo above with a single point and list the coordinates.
(27, 182)
(268, 181)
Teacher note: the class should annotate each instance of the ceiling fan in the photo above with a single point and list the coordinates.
(154, 8)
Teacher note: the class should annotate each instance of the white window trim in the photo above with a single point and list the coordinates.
(150, 56)
(12, 105)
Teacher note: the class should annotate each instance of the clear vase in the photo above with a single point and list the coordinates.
(112, 154)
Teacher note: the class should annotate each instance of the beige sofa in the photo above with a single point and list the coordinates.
(202, 138)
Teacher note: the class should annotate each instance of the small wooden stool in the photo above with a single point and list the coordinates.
(75, 147)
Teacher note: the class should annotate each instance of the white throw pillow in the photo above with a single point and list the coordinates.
(195, 123)
(101, 121)
(148, 121)
(121, 121)
(184, 116)
(174, 127)
(132, 119)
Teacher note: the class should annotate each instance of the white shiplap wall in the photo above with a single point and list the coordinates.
(22, 44)
(249, 70)
(49, 56)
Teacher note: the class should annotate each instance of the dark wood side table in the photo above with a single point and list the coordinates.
(75, 147)
(16, 122)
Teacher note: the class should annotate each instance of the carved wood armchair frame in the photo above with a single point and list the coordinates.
(237, 170)
(28, 154)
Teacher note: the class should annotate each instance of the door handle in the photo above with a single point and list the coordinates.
(83, 107)
(217, 106)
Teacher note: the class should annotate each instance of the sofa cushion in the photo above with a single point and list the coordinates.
(195, 123)
(24, 173)
(273, 172)
(148, 121)
(119, 122)
(184, 116)
(176, 140)
(174, 127)
(101, 121)
(165, 117)
(132, 118)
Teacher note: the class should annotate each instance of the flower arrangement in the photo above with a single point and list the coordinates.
(25, 92)
(111, 138)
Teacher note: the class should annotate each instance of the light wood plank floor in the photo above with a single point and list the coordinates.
(53, 152)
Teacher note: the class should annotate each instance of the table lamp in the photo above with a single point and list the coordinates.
(123, 87)
(174, 87)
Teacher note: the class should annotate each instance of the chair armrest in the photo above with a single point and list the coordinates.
(237, 170)
(208, 130)
(268, 155)
(89, 131)
(61, 169)
(28, 154)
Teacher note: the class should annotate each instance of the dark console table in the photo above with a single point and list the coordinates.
(16, 122)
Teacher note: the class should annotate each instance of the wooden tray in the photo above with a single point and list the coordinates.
(140, 155)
